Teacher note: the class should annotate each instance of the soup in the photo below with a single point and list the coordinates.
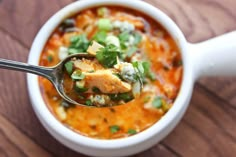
(142, 43)
(91, 81)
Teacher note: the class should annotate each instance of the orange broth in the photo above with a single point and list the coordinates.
(157, 46)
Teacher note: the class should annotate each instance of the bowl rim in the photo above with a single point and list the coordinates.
(49, 120)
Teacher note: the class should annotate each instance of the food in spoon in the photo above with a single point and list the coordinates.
(131, 52)
(87, 79)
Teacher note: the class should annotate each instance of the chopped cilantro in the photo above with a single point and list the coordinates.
(114, 129)
(147, 71)
(132, 131)
(137, 38)
(72, 51)
(78, 44)
(88, 102)
(123, 37)
(121, 96)
(157, 102)
(69, 67)
(107, 56)
(131, 51)
(100, 37)
(139, 66)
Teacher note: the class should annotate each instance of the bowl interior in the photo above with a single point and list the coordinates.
(158, 130)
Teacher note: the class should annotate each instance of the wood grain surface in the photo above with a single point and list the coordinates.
(208, 128)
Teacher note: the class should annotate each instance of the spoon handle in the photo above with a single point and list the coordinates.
(19, 66)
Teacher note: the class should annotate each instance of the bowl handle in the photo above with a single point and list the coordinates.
(214, 57)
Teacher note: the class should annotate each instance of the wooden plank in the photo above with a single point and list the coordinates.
(15, 143)
(158, 150)
(223, 87)
(208, 128)
(200, 19)
(15, 105)
(23, 19)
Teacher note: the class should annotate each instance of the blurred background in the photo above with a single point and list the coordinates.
(208, 128)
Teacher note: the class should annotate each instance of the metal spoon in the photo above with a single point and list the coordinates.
(53, 74)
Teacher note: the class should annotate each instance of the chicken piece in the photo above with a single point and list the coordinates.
(87, 65)
(83, 66)
(92, 49)
(106, 82)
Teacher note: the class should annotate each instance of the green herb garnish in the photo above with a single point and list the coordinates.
(131, 51)
(96, 90)
(77, 75)
(138, 66)
(107, 56)
(49, 58)
(100, 37)
(72, 51)
(88, 102)
(124, 37)
(69, 67)
(147, 71)
(157, 102)
(137, 38)
(121, 96)
(132, 131)
(104, 24)
(79, 44)
(114, 129)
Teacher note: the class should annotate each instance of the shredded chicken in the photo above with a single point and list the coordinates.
(92, 49)
(106, 82)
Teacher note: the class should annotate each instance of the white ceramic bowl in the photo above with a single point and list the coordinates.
(203, 60)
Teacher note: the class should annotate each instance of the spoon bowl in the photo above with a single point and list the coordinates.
(53, 74)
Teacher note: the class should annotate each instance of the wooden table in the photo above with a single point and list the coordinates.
(208, 129)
